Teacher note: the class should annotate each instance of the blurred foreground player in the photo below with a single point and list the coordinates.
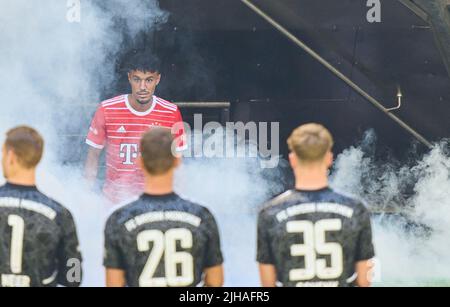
(119, 124)
(38, 239)
(162, 240)
(313, 236)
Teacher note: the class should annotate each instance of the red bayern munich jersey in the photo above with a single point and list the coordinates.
(118, 128)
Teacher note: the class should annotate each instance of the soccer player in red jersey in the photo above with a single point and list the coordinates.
(119, 124)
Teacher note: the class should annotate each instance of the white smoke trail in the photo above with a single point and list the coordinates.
(408, 254)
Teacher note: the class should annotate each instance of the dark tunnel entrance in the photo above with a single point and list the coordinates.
(221, 51)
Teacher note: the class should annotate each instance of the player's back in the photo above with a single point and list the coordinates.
(314, 238)
(39, 244)
(162, 241)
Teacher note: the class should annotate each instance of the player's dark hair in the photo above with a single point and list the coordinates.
(144, 62)
(27, 144)
(156, 151)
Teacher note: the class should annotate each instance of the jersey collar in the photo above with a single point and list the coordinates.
(21, 187)
(127, 102)
(327, 188)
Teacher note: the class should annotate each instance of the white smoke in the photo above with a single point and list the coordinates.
(51, 69)
(53, 73)
(412, 248)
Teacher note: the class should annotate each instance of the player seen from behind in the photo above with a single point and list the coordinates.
(311, 235)
(161, 239)
(38, 242)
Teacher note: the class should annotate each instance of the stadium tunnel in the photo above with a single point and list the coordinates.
(221, 51)
(226, 62)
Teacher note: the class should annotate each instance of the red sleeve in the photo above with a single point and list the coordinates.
(97, 133)
(179, 132)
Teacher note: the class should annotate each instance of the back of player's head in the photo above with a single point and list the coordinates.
(310, 142)
(156, 151)
(144, 62)
(27, 145)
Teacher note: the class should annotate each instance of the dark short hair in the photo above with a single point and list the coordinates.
(143, 61)
(27, 144)
(156, 151)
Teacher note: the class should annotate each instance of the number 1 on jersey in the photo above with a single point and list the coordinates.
(18, 228)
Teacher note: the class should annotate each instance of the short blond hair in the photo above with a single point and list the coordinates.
(27, 144)
(310, 142)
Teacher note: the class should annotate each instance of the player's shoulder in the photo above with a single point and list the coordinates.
(348, 200)
(3, 189)
(113, 101)
(121, 210)
(200, 211)
(165, 105)
(59, 208)
(196, 208)
(33, 199)
(277, 202)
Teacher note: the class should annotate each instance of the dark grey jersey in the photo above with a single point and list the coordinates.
(38, 243)
(162, 241)
(314, 238)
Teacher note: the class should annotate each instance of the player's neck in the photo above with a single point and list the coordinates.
(159, 185)
(23, 178)
(311, 179)
(139, 107)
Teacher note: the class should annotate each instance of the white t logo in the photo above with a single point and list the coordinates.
(129, 152)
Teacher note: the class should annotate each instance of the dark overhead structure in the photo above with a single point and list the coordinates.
(224, 51)
(340, 75)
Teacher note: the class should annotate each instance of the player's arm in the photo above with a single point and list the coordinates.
(113, 257)
(115, 278)
(91, 165)
(267, 269)
(95, 139)
(70, 273)
(214, 276)
(213, 272)
(363, 270)
(365, 251)
(268, 275)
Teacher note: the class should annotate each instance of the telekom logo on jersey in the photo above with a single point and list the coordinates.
(129, 152)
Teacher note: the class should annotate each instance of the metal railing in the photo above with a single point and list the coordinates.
(336, 72)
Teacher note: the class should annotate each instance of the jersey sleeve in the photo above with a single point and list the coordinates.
(213, 255)
(365, 249)
(97, 131)
(179, 132)
(264, 250)
(113, 257)
(70, 271)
